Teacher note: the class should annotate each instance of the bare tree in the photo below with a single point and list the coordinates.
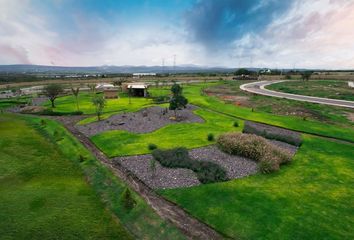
(52, 91)
(75, 92)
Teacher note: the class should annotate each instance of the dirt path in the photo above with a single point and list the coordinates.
(190, 226)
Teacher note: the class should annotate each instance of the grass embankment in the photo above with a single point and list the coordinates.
(189, 135)
(326, 89)
(62, 202)
(43, 195)
(309, 199)
(195, 96)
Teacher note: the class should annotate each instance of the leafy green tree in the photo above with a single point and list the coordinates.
(52, 91)
(75, 92)
(178, 101)
(100, 103)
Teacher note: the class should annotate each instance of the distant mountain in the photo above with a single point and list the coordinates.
(19, 68)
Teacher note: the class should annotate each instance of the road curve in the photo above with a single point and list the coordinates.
(259, 88)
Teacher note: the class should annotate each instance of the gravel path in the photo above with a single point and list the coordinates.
(143, 121)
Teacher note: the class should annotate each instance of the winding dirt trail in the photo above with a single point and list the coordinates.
(190, 226)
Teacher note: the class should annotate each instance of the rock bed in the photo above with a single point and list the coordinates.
(235, 167)
(163, 178)
(143, 121)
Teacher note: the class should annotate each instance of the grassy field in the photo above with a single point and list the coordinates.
(190, 135)
(326, 89)
(66, 200)
(230, 92)
(195, 96)
(311, 198)
(43, 195)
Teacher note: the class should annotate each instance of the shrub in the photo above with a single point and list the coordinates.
(127, 200)
(81, 158)
(50, 112)
(207, 172)
(161, 99)
(271, 132)
(211, 137)
(254, 147)
(152, 146)
(236, 124)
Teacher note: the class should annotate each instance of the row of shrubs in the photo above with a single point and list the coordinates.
(50, 112)
(275, 133)
(206, 171)
(268, 156)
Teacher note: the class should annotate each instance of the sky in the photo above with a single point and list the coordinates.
(224, 33)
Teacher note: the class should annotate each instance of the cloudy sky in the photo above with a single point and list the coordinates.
(230, 33)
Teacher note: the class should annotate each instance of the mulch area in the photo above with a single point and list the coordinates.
(143, 121)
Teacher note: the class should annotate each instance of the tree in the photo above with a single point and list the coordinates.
(242, 71)
(92, 88)
(52, 91)
(119, 83)
(100, 103)
(306, 75)
(127, 200)
(178, 100)
(75, 92)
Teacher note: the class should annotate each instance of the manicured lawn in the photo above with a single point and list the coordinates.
(190, 135)
(43, 195)
(311, 198)
(68, 104)
(327, 89)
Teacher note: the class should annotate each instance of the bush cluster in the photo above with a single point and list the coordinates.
(275, 133)
(251, 146)
(207, 172)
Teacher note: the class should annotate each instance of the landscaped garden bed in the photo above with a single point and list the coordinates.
(143, 121)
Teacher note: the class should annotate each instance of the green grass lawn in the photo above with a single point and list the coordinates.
(311, 198)
(68, 103)
(43, 195)
(326, 89)
(190, 135)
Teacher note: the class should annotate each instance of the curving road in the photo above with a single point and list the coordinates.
(259, 88)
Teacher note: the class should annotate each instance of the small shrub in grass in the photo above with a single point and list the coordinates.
(81, 158)
(207, 172)
(127, 200)
(152, 146)
(236, 124)
(251, 146)
(211, 137)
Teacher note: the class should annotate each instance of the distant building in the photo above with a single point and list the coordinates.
(109, 90)
(137, 89)
(138, 75)
(351, 84)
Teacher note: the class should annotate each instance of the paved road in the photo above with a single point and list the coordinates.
(259, 88)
